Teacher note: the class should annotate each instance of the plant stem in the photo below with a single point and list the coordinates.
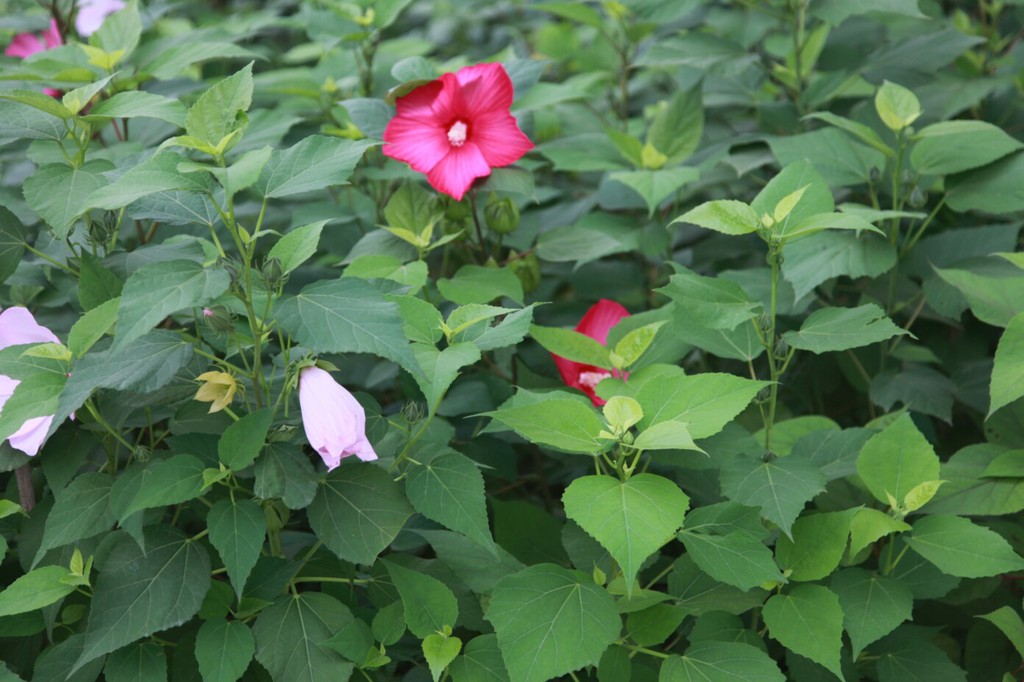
(476, 223)
(26, 493)
(774, 254)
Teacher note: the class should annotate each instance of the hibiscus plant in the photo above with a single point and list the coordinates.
(511, 341)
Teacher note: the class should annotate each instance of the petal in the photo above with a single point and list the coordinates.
(458, 169)
(599, 320)
(31, 436)
(17, 327)
(363, 450)
(52, 34)
(485, 87)
(92, 13)
(499, 138)
(432, 103)
(420, 144)
(24, 45)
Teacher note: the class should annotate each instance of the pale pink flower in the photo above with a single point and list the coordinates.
(18, 327)
(91, 14)
(457, 128)
(27, 44)
(596, 324)
(334, 421)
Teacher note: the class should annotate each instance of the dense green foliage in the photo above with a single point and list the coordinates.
(808, 458)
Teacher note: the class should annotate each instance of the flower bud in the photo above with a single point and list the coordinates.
(334, 421)
(918, 198)
(501, 215)
(875, 174)
(527, 269)
(273, 273)
(219, 319)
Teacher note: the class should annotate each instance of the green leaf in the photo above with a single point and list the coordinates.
(632, 519)
(909, 655)
(710, 302)
(138, 104)
(722, 662)
(817, 545)
(870, 525)
(93, 326)
(60, 194)
(511, 330)
(477, 284)
(726, 216)
(632, 346)
(670, 435)
(97, 284)
(678, 125)
(897, 106)
(440, 651)
(120, 31)
(441, 368)
(34, 590)
(995, 299)
(219, 110)
(780, 487)
(1010, 624)
(738, 558)
(292, 635)
(12, 240)
(244, 439)
(171, 481)
(449, 489)
(561, 423)
(429, 604)
(76, 100)
(81, 511)
(992, 189)
(346, 316)
(160, 289)
(959, 547)
(956, 146)
(654, 186)
(808, 621)
(142, 662)
(815, 197)
(38, 100)
(297, 246)
(157, 174)
(896, 460)
(572, 345)
(551, 621)
(832, 329)
(138, 593)
(873, 605)
(237, 530)
(358, 511)
(706, 402)
(224, 650)
(480, 662)
(285, 471)
(574, 11)
(809, 262)
(315, 163)
(840, 160)
(819, 222)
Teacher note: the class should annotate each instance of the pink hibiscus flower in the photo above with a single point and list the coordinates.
(334, 421)
(27, 44)
(457, 128)
(17, 327)
(596, 324)
(91, 14)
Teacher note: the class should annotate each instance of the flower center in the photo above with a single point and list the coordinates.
(457, 134)
(592, 379)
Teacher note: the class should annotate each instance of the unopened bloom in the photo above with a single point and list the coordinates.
(218, 389)
(596, 324)
(334, 421)
(27, 44)
(457, 128)
(91, 14)
(18, 327)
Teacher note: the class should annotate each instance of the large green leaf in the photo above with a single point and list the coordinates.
(34, 590)
(292, 635)
(736, 558)
(477, 284)
(346, 316)
(171, 481)
(832, 329)
(654, 186)
(780, 487)
(551, 621)
(710, 302)
(572, 345)
(242, 442)
(840, 160)
(155, 291)
(910, 655)
(60, 193)
(138, 593)
(811, 261)
(817, 545)
(449, 489)
(358, 511)
(956, 146)
(897, 460)
(480, 662)
(800, 177)
(142, 662)
(12, 241)
(632, 519)
(994, 298)
(81, 511)
(138, 104)
(237, 529)
(314, 163)
(224, 650)
(808, 621)
(873, 605)
(726, 216)
(992, 189)
(958, 546)
(217, 111)
(428, 603)
(1008, 372)
(157, 174)
(721, 662)
(561, 423)
(297, 246)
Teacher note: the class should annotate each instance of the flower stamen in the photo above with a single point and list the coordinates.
(457, 134)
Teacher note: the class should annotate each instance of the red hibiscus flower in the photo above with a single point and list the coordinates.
(27, 44)
(596, 324)
(457, 128)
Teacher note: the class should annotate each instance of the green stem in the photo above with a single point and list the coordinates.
(920, 230)
(63, 266)
(799, 19)
(774, 253)
(109, 429)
